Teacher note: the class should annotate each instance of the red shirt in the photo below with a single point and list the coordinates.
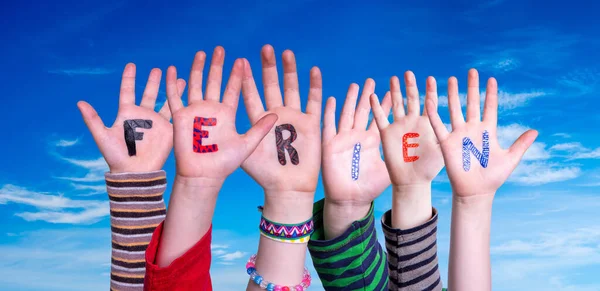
(188, 272)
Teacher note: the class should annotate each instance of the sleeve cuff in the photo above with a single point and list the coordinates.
(158, 176)
(411, 234)
(356, 229)
(196, 260)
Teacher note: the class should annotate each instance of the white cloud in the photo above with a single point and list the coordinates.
(504, 64)
(89, 177)
(592, 154)
(538, 173)
(81, 71)
(93, 165)
(567, 146)
(232, 256)
(506, 100)
(562, 134)
(66, 142)
(581, 82)
(54, 208)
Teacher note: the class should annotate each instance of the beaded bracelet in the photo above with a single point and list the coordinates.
(258, 279)
(288, 233)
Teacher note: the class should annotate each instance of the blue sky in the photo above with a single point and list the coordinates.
(53, 206)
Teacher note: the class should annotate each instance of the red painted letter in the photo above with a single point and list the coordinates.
(406, 145)
(199, 134)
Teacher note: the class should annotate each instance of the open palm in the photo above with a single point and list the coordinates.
(353, 171)
(272, 168)
(411, 150)
(220, 149)
(152, 150)
(472, 166)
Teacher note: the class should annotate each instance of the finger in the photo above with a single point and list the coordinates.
(441, 132)
(378, 113)
(254, 106)
(413, 106)
(291, 93)
(195, 89)
(92, 120)
(397, 102)
(127, 94)
(315, 93)
(386, 105)
(215, 75)
(270, 78)
(257, 132)
(490, 111)
(329, 131)
(361, 117)
(430, 92)
(165, 111)
(231, 96)
(151, 90)
(456, 116)
(473, 101)
(173, 96)
(518, 149)
(347, 115)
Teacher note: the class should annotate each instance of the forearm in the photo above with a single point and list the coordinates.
(136, 208)
(278, 262)
(337, 217)
(469, 267)
(189, 216)
(411, 205)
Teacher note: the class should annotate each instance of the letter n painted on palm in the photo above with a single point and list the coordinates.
(469, 148)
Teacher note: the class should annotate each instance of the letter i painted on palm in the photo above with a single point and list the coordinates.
(406, 145)
(355, 161)
(199, 134)
(482, 156)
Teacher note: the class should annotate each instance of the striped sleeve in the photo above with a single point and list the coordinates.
(352, 261)
(136, 209)
(412, 255)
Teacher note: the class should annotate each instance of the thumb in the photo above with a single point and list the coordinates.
(92, 120)
(256, 134)
(518, 149)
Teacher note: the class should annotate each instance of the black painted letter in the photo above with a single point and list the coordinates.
(283, 145)
(131, 135)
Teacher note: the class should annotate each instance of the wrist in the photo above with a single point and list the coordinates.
(337, 217)
(411, 205)
(288, 206)
(474, 204)
(197, 188)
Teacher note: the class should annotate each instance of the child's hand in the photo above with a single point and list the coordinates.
(411, 150)
(140, 139)
(288, 158)
(353, 172)
(207, 144)
(475, 162)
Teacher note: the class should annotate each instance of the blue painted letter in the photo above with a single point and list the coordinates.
(469, 147)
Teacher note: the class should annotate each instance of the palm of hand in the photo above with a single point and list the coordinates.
(475, 166)
(151, 152)
(338, 154)
(263, 164)
(217, 164)
(422, 162)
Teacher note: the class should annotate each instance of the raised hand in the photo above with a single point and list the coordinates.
(207, 149)
(140, 139)
(286, 163)
(477, 166)
(288, 158)
(475, 162)
(412, 152)
(207, 144)
(353, 172)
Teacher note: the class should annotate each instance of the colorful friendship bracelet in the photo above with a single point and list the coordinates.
(258, 279)
(288, 233)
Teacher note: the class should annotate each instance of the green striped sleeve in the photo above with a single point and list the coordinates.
(353, 261)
